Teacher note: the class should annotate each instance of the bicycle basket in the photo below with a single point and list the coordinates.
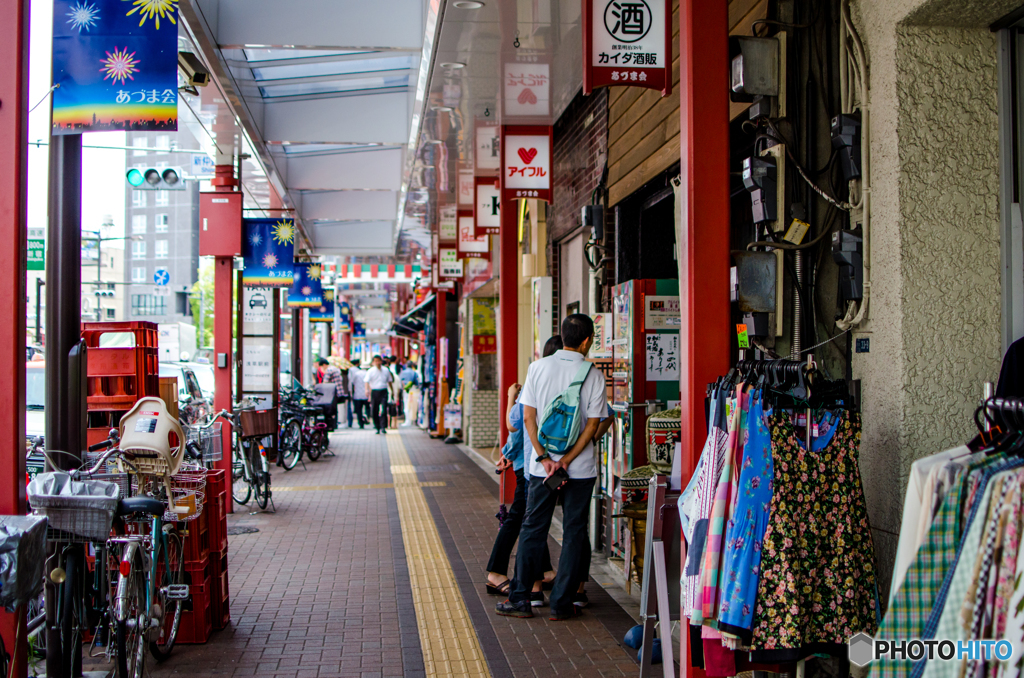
(258, 423)
(209, 439)
(151, 439)
(188, 490)
(84, 508)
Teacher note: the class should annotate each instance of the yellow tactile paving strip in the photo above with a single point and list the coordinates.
(375, 486)
(448, 640)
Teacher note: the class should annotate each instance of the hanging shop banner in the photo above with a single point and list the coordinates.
(627, 43)
(448, 225)
(487, 207)
(306, 291)
(476, 273)
(449, 264)
(465, 189)
(526, 172)
(527, 90)
(487, 157)
(325, 312)
(267, 251)
(469, 244)
(115, 66)
(345, 317)
(358, 330)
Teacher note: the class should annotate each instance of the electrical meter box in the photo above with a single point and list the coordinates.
(220, 224)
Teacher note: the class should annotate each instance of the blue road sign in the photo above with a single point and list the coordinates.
(162, 277)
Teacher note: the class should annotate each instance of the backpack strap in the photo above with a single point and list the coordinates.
(581, 374)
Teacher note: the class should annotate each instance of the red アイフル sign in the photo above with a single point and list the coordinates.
(526, 162)
(627, 42)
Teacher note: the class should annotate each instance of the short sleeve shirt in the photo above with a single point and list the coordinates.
(545, 380)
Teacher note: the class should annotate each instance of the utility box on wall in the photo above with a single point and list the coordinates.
(220, 224)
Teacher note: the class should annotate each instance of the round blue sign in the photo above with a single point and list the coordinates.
(162, 277)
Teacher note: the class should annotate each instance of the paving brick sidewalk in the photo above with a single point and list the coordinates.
(323, 588)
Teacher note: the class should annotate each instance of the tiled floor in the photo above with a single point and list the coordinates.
(373, 565)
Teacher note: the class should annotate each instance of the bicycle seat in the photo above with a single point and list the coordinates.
(153, 507)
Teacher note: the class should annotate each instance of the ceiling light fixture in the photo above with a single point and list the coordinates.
(468, 4)
(442, 109)
(453, 65)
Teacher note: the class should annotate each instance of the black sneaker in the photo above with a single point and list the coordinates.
(510, 609)
(537, 599)
(580, 600)
(571, 613)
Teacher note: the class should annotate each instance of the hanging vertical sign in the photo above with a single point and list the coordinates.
(325, 312)
(267, 252)
(448, 226)
(487, 207)
(306, 291)
(465, 189)
(627, 43)
(469, 244)
(526, 169)
(487, 157)
(527, 90)
(449, 264)
(115, 66)
(345, 317)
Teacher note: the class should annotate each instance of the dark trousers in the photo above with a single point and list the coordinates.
(378, 406)
(360, 406)
(509, 532)
(574, 563)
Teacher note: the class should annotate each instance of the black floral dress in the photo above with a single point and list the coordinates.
(817, 584)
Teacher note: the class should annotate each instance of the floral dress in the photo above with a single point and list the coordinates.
(817, 586)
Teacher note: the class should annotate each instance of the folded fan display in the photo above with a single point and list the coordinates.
(780, 562)
(958, 564)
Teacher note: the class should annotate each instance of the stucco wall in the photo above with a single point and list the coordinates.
(935, 288)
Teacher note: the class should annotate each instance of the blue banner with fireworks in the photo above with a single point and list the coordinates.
(358, 330)
(345, 317)
(306, 291)
(325, 312)
(268, 251)
(115, 65)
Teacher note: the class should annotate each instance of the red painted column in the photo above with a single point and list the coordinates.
(13, 165)
(441, 304)
(704, 286)
(223, 305)
(508, 323)
(346, 344)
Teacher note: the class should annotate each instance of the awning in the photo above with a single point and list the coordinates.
(415, 320)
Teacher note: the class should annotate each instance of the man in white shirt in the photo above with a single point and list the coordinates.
(545, 380)
(357, 387)
(378, 378)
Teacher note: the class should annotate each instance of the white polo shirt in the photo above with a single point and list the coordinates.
(545, 380)
(378, 378)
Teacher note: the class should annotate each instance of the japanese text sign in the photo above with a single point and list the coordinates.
(487, 207)
(115, 66)
(627, 42)
(527, 90)
(526, 170)
(449, 264)
(469, 244)
(487, 157)
(465, 188)
(448, 227)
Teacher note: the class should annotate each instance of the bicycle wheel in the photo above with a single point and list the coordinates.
(314, 442)
(71, 613)
(170, 568)
(241, 491)
(291, 444)
(260, 478)
(132, 618)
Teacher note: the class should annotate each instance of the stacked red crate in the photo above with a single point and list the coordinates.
(216, 507)
(197, 615)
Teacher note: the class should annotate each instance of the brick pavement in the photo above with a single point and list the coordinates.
(324, 588)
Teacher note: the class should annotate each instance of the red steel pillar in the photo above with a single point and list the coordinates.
(704, 283)
(13, 166)
(441, 304)
(223, 306)
(508, 323)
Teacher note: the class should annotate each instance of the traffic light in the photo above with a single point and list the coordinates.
(104, 293)
(155, 178)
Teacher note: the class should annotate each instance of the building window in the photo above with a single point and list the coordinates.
(139, 274)
(162, 198)
(160, 250)
(162, 220)
(139, 223)
(111, 313)
(139, 198)
(138, 249)
(163, 141)
(140, 142)
(148, 304)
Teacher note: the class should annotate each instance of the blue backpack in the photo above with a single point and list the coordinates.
(560, 424)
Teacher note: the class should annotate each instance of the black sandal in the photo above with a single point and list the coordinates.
(501, 589)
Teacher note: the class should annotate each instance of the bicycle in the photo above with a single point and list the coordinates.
(306, 423)
(250, 472)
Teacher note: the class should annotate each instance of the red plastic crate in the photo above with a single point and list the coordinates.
(196, 617)
(145, 332)
(219, 597)
(196, 542)
(216, 510)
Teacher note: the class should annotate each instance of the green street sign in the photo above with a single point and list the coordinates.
(36, 255)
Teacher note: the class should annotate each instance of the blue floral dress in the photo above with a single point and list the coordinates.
(745, 531)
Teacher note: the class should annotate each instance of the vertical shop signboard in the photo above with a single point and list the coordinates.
(448, 225)
(487, 207)
(465, 189)
(470, 245)
(527, 90)
(487, 156)
(115, 66)
(449, 264)
(627, 43)
(526, 169)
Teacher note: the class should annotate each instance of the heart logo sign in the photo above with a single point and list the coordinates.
(527, 97)
(527, 156)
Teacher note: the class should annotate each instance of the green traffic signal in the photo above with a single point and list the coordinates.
(134, 177)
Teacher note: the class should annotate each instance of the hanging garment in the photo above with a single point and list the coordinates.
(742, 556)
(817, 585)
(1014, 631)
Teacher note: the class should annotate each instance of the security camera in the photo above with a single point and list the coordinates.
(193, 70)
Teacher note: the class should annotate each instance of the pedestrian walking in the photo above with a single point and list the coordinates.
(411, 385)
(498, 582)
(332, 375)
(547, 380)
(360, 401)
(378, 379)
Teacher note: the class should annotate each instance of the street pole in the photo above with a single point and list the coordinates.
(202, 326)
(39, 323)
(99, 275)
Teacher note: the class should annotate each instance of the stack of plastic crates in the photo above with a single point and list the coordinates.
(195, 483)
(119, 376)
(216, 508)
